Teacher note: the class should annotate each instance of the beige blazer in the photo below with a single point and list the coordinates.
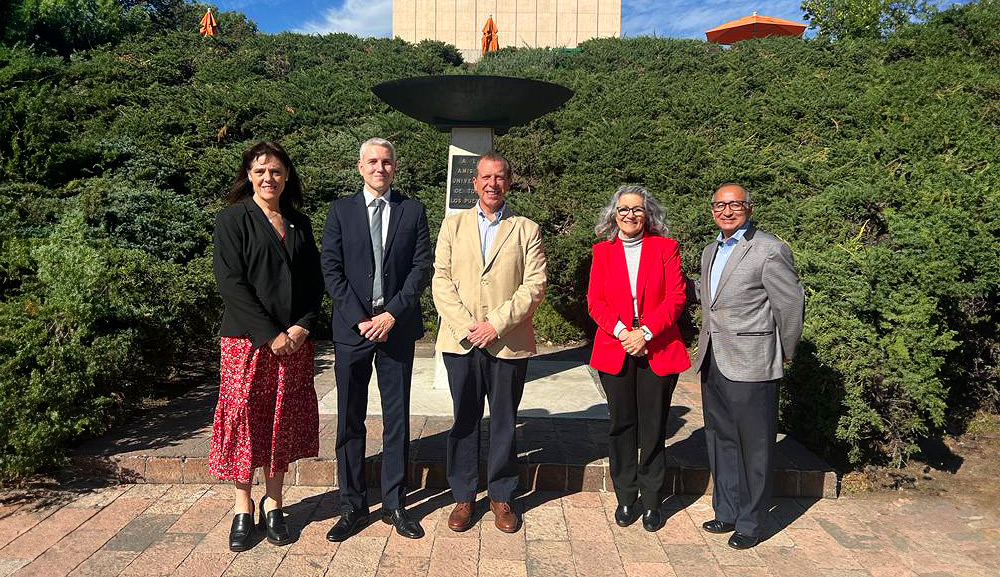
(505, 290)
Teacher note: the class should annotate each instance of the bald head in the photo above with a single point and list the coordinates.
(731, 189)
(731, 208)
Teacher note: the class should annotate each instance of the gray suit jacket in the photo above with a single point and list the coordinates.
(755, 320)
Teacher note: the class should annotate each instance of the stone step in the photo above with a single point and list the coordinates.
(562, 446)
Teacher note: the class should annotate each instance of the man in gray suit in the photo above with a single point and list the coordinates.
(751, 321)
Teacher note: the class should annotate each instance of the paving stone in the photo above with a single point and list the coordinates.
(261, 560)
(649, 570)
(891, 572)
(105, 564)
(395, 565)
(746, 572)
(8, 566)
(164, 555)
(823, 549)
(118, 514)
(453, 557)
(202, 516)
(495, 544)
(550, 559)
(590, 524)
(787, 562)
(141, 533)
(358, 557)
(636, 545)
(689, 555)
(545, 523)
(598, 557)
(294, 565)
(204, 564)
(502, 568)
(46, 533)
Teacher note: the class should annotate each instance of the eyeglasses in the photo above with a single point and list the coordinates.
(635, 210)
(734, 205)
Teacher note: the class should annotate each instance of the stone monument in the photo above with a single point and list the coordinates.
(473, 108)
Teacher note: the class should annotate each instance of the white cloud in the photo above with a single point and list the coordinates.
(359, 17)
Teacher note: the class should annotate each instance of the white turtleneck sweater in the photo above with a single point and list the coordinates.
(633, 250)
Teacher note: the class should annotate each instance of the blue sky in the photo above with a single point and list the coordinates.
(673, 18)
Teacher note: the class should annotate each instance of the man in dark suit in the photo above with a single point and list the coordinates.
(752, 308)
(376, 262)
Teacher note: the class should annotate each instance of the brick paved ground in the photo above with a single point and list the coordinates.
(150, 529)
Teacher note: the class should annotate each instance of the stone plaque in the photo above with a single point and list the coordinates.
(463, 169)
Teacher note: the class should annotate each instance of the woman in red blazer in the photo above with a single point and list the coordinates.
(636, 295)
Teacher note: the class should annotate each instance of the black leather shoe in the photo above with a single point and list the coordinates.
(401, 521)
(625, 515)
(740, 541)
(652, 520)
(718, 527)
(273, 522)
(241, 533)
(350, 522)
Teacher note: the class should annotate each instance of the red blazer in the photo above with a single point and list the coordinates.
(660, 297)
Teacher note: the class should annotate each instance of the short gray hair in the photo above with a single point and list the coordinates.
(656, 219)
(745, 190)
(377, 142)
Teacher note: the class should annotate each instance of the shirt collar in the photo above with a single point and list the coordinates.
(370, 196)
(498, 213)
(737, 236)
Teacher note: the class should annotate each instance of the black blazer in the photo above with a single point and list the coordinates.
(266, 285)
(349, 264)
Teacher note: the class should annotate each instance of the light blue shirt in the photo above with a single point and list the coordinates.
(722, 256)
(488, 229)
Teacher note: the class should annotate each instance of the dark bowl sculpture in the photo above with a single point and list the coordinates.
(466, 101)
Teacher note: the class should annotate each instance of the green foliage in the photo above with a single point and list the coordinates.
(875, 159)
(865, 19)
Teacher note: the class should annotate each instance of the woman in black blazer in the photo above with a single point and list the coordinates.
(267, 270)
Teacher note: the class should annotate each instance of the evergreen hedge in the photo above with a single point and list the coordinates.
(875, 160)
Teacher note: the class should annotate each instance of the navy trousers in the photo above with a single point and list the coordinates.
(473, 378)
(353, 370)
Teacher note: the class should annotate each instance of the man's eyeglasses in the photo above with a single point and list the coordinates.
(635, 210)
(734, 205)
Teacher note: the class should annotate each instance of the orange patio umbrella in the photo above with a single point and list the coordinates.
(208, 25)
(754, 27)
(491, 37)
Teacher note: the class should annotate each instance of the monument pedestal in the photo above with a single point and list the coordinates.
(467, 145)
(472, 107)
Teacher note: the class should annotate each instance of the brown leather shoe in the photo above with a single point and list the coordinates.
(461, 517)
(506, 519)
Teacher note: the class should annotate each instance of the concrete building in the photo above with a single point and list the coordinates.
(522, 23)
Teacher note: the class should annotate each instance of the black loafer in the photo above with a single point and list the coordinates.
(241, 532)
(718, 527)
(273, 522)
(625, 515)
(401, 521)
(652, 520)
(740, 541)
(349, 523)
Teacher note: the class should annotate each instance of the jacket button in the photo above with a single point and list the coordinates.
(485, 282)
(370, 275)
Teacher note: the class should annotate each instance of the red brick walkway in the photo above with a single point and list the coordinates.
(149, 529)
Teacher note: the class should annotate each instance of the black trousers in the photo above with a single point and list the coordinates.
(639, 403)
(740, 430)
(473, 378)
(353, 370)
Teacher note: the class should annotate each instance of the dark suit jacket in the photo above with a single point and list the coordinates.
(349, 264)
(266, 285)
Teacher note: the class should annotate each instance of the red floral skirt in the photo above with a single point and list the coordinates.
(267, 415)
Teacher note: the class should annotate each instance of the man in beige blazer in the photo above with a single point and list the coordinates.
(489, 277)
